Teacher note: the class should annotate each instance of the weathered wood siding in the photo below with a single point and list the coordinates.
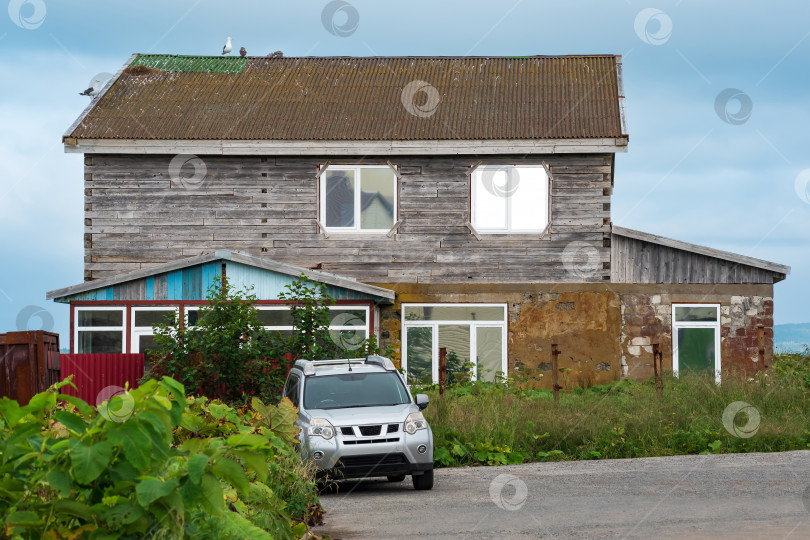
(637, 261)
(137, 215)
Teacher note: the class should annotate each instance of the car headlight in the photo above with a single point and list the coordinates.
(320, 427)
(415, 422)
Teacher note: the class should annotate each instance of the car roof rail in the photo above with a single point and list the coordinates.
(381, 361)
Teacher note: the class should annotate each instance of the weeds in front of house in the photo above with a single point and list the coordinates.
(171, 466)
(504, 423)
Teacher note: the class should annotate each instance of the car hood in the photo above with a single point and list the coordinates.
(365, 415)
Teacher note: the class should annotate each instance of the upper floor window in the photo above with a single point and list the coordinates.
(510, 199)
(358, 198)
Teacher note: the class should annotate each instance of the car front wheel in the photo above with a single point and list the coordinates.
(396, 477)
(423, 481)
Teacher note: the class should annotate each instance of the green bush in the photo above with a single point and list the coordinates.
(491, 423)
(151, 463)
(229, 355)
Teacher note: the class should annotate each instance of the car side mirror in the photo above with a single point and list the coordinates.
(422, 401)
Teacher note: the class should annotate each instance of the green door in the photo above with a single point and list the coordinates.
(696, 348)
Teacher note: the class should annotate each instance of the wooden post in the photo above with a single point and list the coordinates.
(442, 369)
(555, 371)
(657, 357)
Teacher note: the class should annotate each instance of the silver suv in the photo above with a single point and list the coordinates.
(358, 420)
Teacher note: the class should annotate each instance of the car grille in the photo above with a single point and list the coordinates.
(371, 441)
(373, 459)
(347, 430)
(393, 428)
(370, 431)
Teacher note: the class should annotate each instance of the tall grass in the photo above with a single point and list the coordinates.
(495, 423)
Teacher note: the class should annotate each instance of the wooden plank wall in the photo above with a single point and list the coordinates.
(637, 261)
(137, 216)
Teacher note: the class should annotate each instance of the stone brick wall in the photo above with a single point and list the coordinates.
(604, 331)
(746, 326)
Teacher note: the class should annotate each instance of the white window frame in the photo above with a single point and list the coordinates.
(277, 307)
(508, 229)
(136, 332)
(697, 324)
(435, 335)
(122, 328)
(357, 203)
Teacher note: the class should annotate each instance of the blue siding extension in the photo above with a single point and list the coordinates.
(192, 283)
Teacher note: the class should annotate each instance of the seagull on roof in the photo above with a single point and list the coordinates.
(228, 47)
(93, 90)
(242, 52)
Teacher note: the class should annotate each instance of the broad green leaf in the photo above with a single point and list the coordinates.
(71, 421)
(261, 408)
(73, 508)
(247, 528)
(160, 424)
(11, 411)
(218, 410)
(253, 462)
(196, 467)
(212, 494)
(123, 471)
(123, 513)
(134, 440)
(151, 489)
(83, 408)
(192, 446)
(24, 518)
(231, 471)
(248, 439)
(89, 461)
(164, 402)
(283, 420)
(41, 402)
(176, 389)
(59, 481)
(191, 422)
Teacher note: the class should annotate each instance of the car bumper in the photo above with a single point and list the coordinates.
(358, 457)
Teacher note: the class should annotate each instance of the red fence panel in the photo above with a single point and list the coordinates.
(92, 373)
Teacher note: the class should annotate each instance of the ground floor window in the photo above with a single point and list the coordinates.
(143, 321)
(102, 329)
(348, 325)
(696, 337)
(473, 335)
(99, 330)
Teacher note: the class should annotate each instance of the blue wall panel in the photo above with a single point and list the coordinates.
(193, 282)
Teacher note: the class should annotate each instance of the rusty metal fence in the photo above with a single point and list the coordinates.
(29, 363)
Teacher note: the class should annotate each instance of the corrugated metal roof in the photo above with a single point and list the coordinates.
(358, 99)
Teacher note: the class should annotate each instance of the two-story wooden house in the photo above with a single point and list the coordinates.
(458, 203)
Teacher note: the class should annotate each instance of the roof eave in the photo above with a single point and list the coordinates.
(777, 269)
(333, 147)
(227, 255)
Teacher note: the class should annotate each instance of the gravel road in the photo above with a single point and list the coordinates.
(723, 496)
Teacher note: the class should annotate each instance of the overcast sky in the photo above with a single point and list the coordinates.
(718, 108)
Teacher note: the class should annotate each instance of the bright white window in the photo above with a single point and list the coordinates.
(358, 198)
(473, 335)
(696, 338)
(99, 330)
(143, 321)
(510, 199)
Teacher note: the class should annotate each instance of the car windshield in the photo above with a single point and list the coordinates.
(354, 390)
